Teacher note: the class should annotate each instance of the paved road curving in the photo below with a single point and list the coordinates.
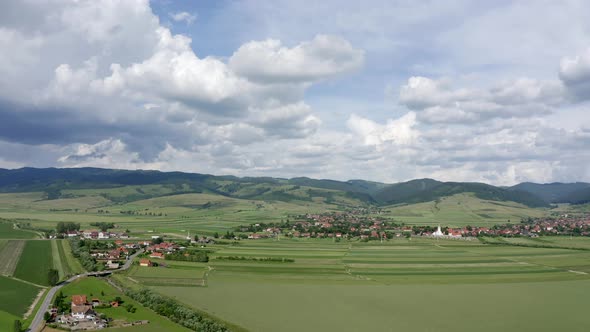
(37, 322)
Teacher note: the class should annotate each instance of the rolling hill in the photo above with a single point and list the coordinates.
(55, 183)
(578, 192)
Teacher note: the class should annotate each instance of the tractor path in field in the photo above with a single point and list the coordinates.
(10, 255)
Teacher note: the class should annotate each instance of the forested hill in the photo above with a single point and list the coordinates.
(575, 193)
(54, 180)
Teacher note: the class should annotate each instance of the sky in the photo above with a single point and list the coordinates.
(495, 92)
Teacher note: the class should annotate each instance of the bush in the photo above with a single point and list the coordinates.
(175, 312)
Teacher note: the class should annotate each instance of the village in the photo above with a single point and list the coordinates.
(353, 224)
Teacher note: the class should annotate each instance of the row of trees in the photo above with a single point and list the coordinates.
(176, 312)
(198, 256)
(64, 227)
(103, 226)
(82, 251)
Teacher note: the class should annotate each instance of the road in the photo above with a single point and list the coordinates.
(37, 322)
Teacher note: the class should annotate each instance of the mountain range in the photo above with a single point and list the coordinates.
(54, 181)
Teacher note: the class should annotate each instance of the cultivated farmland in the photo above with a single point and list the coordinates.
(16, 296)
(10, 254)
(391, 285)
(174, 274)
(63, 259)
(35, 262)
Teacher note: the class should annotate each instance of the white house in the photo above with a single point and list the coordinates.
(83, 312)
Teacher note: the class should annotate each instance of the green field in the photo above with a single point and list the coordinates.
(16, 296)
(7, 231)
(460, 210)
(95, 288)
(63, 259)
(7, 321)
(407, 285)
(175, 274)
(35, 262)
(207, 213)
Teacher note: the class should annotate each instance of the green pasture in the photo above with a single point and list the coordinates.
(96, 287)
(35, 262)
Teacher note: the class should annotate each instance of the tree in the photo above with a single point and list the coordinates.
(53, 277)
(46, 316)
(18, 326)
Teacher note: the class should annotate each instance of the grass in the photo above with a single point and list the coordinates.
(206, 213)
(374, 307)
(35, 262)
(460, 210)
(7, 231)
(184, 274)
(407, 285)
(16, 296)
(63, 259)
(7, 321)
(96, 287)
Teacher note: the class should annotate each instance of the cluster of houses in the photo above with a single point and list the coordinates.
(97, 235)
(159, 251)
(83, 316)
(356, 225)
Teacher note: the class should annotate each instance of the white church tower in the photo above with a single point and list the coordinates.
(438, 232)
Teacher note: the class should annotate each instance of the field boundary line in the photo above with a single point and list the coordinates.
(28, 282)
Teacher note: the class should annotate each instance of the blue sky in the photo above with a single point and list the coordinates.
(495, 92)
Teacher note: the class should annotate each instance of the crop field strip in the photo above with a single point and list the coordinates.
(35, 262)
(391, 261)
(186, 275)
(58, 260)
(16, 295)
(10, 256)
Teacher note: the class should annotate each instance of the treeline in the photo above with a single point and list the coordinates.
(81, 251)
(103, 226)
(199, 256)
(64, 227)
(255, 259)
(139, 213)
(176, 312)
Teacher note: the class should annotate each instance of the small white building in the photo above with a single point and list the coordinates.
(438, 232)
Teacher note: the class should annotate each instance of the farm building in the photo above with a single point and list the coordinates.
(145, 262)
